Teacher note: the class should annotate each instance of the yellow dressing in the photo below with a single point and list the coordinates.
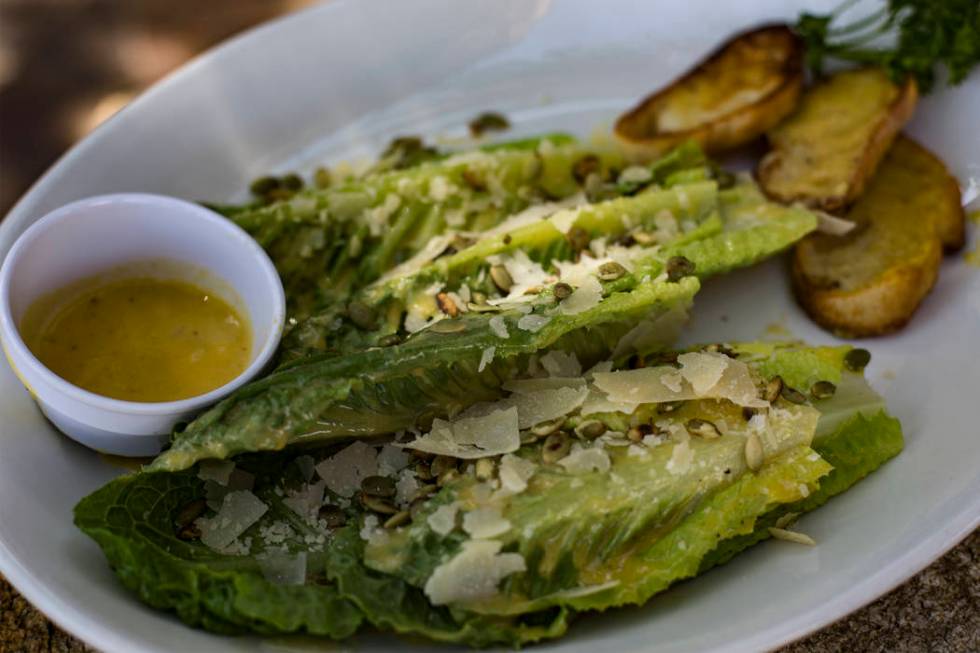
(139, 338)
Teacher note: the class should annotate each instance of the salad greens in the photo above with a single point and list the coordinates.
(475, 430)
(511, 556)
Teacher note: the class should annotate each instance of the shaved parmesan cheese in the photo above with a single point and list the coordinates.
(533, 323)
(531, 386)
(533, 215)
(635, 175)
(473, 573)
(443, 519)
(659, 385)
(703, 370)
(536, 406)
(524, 272)
(484, 523)
(406, 487)
(599, 402)
(377, 218)
(602, 366)
(307, 500)
(280, 568)
(440, 188)
(344, 471)
(681, 458)
(581, 461)
(586, 296)
(564, 220)
(499, 326)
(392, 459)
(655, 332)
(562, 364)
(215, 470)
(667, 227)
(673, 381)
(514, 473)
(239, 510)
(486, 358)
(480, 431)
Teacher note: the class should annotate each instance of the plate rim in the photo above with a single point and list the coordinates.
(76, 621)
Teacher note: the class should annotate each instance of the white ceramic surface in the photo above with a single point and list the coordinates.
(340, 80)
(97, 235)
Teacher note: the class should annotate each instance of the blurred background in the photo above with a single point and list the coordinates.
(67, 65)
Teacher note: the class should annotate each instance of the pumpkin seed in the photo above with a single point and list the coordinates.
(792, 536)
(556, 446)
(484, 469)
(610, 271)
(786, 520)
(721, 349)
(562, 290)
(507, 239)
(679, 267)
(378, 486)
(390, 340)
(643, 238)
(190, 512)
(489, 121)
(322, 177)
(590, 429)
(482, 308)
(377, 504)
(447, 305)
(772, 389)
(424, 491)
(263, 186)
(442, 464)
(501, 278)
(479, 298)
(363, 316)
(400, 518)
(792, 396)
(333, 515)
(753, 452)
(823, 390)
(423, 472)
(578, 238)
(448, 326)
(292, 181)
(188, 532)
(635, 434)
(702, 428)
(587, 165)
(547, 428)
(857, 359)
(447, 477)
(474, 179)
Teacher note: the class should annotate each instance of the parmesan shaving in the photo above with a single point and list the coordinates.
(443, 519)
(586, 296)
(473, 573)
(344, 471)
(484, 523)
(239, 510)
(480, 431)
(582, 461)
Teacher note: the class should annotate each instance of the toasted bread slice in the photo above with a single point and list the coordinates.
(870, 281)
(826, 152)
(741, 90)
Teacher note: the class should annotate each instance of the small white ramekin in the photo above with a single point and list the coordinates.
(94, 235)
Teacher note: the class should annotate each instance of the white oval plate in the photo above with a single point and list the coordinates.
(341, 79)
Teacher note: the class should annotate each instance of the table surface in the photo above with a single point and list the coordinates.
(56, 88)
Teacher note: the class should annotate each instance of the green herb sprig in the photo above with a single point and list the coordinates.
(925, 33)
